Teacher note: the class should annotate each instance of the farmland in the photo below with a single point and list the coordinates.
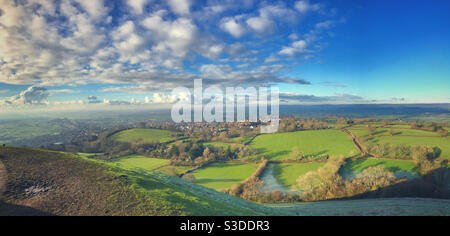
(399, 167)
(145, 135)
(310, 143)
(410, 137)
(223, 175)
(139, 162)
(287, 173)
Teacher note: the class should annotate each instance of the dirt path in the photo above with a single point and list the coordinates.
(3, 178)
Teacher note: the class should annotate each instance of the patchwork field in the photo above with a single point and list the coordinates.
(408, 137)
(397, 132)
(223, 175)
(287, 173)
(146, 135)
(279, 146)
(442, 143)
(139, 162)
(400, 168)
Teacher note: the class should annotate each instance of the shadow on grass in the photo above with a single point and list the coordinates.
(435, 184)
(351, 169)
(7, 209)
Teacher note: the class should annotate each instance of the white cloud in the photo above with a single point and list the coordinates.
(138, 5)
(95, 8)
(260, 24)
(296, 48)
(181, 7)
(305, 6)
(33, 95)
(174, 37)
(232, 26)
(163, 98)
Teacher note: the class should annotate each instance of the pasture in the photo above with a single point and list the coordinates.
(287, 174)
(139, 162)
(174, 170)
(145, 135)
(279, 146)
(443, 143)
(409, 137)
(223, 175)
(400, 168)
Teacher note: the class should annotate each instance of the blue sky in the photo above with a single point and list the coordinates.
(338, 51)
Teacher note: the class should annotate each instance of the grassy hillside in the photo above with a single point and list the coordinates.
(50, 183)
(146, 135)
(317, 142)
(223, 175)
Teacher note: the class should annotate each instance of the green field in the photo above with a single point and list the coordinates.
(409, 137)
(397, 132)
(399, 167)
(146, 135)
(287, 173)
(178, 170)
(442, 143)
(139, 162)
(223, 175)
(311, 143)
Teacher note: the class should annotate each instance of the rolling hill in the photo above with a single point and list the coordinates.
(39, 182)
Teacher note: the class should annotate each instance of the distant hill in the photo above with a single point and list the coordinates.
(40, 182)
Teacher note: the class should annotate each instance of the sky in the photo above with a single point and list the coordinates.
(86, 52)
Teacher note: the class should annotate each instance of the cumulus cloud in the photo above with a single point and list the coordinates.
(77, 42)
(181, 7)
(264, 22)
(232, 26)
(296, 48)
(305, 6)
(138, 5)
(33, 95)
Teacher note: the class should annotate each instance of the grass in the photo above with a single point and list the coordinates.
(443, 143)
(410, 137)
(146, 135)
(311, 143)
(287, 173)
(139, 162)
(80, 186)
(223, 175)
(177, 170)
(369, 207)
(397, 132)
(354, 167)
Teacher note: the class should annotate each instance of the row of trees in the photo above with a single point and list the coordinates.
(190, 153)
